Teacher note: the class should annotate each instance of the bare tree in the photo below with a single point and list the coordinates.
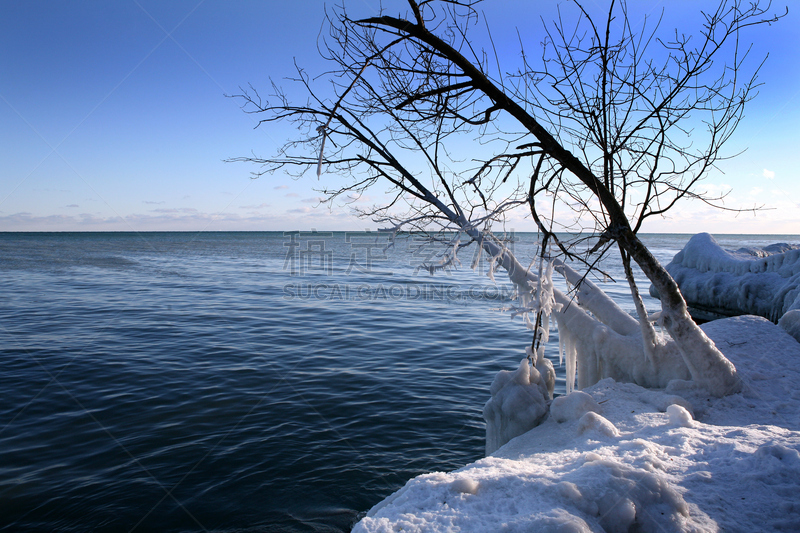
(616, 122)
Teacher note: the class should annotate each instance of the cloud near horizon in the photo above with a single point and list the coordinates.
(186, 219)
(188, 210)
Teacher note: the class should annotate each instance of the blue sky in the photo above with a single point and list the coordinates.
(113, 117)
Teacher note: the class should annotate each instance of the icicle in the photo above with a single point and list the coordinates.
(455, 261)
(570, 354)
(572, 363)
(528, 324)
(545, 335)
(478, 256)
(493, 263)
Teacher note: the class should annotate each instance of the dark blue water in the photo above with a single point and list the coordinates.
(238, 381)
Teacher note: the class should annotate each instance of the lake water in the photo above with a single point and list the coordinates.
(243, 381)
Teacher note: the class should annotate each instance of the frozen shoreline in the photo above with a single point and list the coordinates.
(718, 283)
(674, 460)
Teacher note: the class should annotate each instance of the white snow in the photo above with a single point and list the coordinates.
(790, 322)
(518, 403)
(680, 416)
(619, 457)
(757, 281)
(573, 406)
(591, 421)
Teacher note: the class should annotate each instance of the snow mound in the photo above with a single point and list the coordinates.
(573, 406)
(465, 485)
(790, 322)
(593, 422)
(748, 281)
(680, 416)
(518, 404)
(733, 466)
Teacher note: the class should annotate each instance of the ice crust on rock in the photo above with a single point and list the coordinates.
(790, 322)
(736, 467)
(748, 281)
(518, 403)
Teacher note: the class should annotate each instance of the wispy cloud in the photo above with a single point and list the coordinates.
(73, 205)
(769, 174)
(25, 221)
(185, 210)
(360, 199)
(153, 203)
(259, 206)
(279, 187)
(168, 220)
(292, 195)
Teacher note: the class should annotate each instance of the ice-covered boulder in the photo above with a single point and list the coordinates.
(749, 281)
(518, 404)
(790, 322)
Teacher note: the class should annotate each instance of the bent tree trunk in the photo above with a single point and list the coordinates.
(707, 365)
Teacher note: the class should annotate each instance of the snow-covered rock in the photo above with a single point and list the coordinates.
(680, 416)
(650, 460)
(749, 281)
(518, 404)
(790, 322)
(573, 406)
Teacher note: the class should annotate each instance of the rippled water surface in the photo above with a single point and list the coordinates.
(240, 381)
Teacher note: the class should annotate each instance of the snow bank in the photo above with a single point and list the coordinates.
(618, 457)
(755, 281)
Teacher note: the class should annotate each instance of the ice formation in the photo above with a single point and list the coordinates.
(607, 342)
(749, 281)
(518, 404)
(598, 340)
(604, 340)
(648, 461)
(790, 322)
